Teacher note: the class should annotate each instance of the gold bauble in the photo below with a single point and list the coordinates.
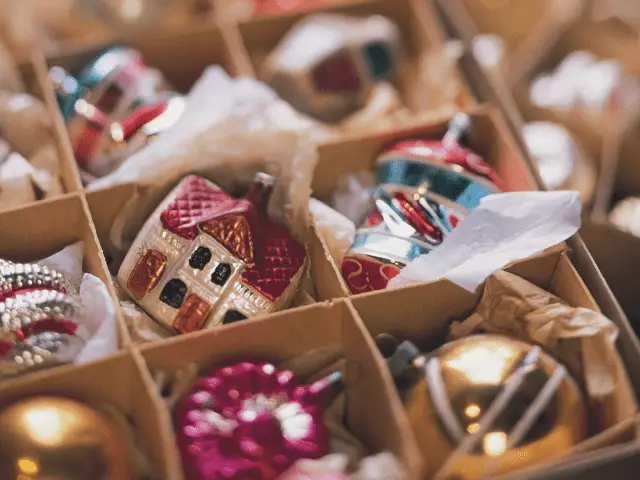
(461, 382)
(55, 438)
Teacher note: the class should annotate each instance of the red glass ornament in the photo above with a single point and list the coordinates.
(454, 154)
(252, 421)
(337, 74)
(366, 274)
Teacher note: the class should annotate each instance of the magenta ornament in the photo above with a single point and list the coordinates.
(252, 421)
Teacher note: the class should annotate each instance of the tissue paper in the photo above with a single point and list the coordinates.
(97, 312)
(504, 228)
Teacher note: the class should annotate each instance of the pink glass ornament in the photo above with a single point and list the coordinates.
(252, 421)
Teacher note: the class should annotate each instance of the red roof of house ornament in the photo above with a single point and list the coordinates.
(273, 256)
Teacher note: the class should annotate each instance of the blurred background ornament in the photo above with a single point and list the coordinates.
(327, 64)
(59, 438)
(488, 404)
(114, 107)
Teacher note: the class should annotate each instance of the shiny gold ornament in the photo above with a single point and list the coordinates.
(487, 404)
(55, 438)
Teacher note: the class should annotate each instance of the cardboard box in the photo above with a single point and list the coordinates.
(68, 25)
(423, 314)
(46, 227)
(607, 40)
(373, 414)
(261, 35)
(495, 90)
(30, 71)
(374, 411)
(120, 381)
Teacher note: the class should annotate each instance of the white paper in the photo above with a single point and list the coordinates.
(334, 228)
(504, 228)
(97, 313)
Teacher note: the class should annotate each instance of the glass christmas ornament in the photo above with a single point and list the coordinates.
(252, 420)
(59, 438)
(424, 189)
(326, 65)
(487, 405)
(114, 107)
(39, 324)
(205, 259)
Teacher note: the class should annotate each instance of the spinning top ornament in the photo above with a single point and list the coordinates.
(327, 64)
(38, 319)
(254, 421)
(59, 438)
(114, 107)
(488, 404)
(424, 189)
(205, 259)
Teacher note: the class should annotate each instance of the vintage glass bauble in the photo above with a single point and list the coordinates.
(56, 438)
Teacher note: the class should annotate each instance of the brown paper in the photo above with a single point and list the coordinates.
(584, 340)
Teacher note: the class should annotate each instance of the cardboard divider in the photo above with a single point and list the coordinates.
(488, 136)
(181, 56)
(30, 73)
(617, 253)
(260, 36)
(423, 314)
(528, 29)
(607, 40)
(44, 228)
(372, 413)
(74, 31)
(120, 381)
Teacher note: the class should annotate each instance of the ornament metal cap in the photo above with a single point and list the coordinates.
(458, 126)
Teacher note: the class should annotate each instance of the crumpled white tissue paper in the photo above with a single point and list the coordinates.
(334, 228)
(97, 311)
(230, 129)
(504, 228)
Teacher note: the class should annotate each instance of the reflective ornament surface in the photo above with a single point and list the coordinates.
(326, 65)
(39, 324)
(205, 258)
(55, 438)
(424, 189)
(114, 107)
(488, 404)
(253, 421)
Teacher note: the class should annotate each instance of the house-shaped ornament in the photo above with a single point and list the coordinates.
(205, 259)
